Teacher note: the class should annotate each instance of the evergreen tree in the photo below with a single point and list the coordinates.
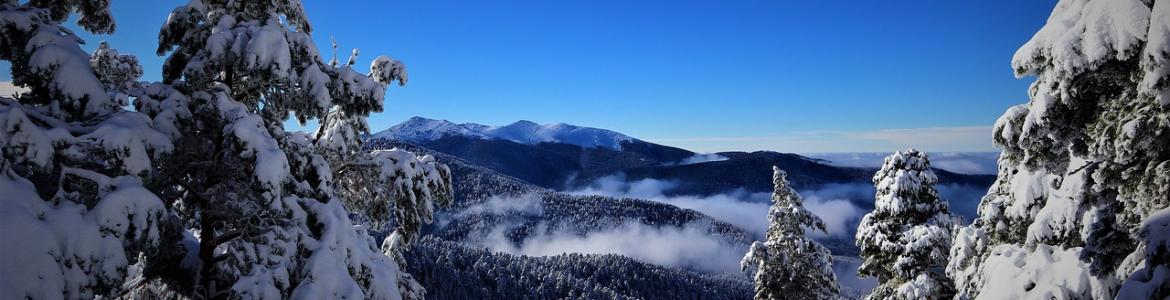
(906, 240)
(198, 192)
(73, 161)
(1085, 170)
(789, 265)
(273, 209)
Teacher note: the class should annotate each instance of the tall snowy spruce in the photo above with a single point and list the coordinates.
(275, 211)
(1079, 209)
(198, 192)
(72, 161)
(789, 265)
(905, 241)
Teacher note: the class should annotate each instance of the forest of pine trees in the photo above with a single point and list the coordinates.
(190, 187)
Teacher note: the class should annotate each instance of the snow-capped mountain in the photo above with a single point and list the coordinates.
(560, 156)
(418, 129)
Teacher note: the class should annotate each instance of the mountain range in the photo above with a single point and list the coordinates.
(516, 208)
(565, 157)
(418, 129)
(459, 255)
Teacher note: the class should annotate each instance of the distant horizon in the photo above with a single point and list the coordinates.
(783, 76)
(422, 130)
(895, 139)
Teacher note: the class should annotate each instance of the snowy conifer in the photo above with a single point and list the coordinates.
(1085, 170)
(198, 192)
(273, 209)
(72, 163)
(789, 265)
(906, 240)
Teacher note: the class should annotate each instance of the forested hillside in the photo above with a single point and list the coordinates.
(457, 271)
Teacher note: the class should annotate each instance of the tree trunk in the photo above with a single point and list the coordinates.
(207, 245)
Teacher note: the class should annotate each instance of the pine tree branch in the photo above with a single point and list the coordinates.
(228, 236)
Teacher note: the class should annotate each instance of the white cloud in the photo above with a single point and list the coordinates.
(522, 205)
(528, 204)
(958, 162)
(700, 158)
(967, 163)
(689, 247)
(952, 139)
(739, 207)
(840, 215)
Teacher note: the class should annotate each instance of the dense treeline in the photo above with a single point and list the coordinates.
(455, 271)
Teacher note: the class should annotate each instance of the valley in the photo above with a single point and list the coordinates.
(534, 201)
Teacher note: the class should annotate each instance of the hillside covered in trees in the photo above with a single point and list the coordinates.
(249, 170)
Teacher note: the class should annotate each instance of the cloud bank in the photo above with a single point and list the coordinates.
(699, 158)
(840, 205)
(523, 205)
(739, 207)
(687, 247)
(528, 204)
(953, 139)
(959, 162)
(690, 246)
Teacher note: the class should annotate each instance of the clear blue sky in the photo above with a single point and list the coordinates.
(794, 76)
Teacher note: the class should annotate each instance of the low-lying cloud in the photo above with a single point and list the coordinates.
(690, 246)
(687, 247)
(984, 163)
(935, 139)
(699, 158)
(522, 205)
(739, 207)
(528, 204)
(840, 205)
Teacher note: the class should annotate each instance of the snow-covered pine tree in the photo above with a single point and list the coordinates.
(119, 73)
(789, 265)
(1078, 209)
(906, 240)
(73, 161)
(270, 207)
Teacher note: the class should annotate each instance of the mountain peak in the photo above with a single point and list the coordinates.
(419, 129)
(416, 119)
(524, 123)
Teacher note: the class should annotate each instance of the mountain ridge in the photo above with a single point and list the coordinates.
(419, 129)
(553, 164)
(457, 239)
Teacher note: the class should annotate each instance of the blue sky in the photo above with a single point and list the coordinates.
(793, 76)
